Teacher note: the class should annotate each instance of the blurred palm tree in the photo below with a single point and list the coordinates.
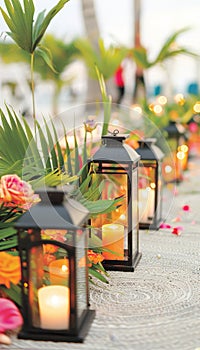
(92, 33)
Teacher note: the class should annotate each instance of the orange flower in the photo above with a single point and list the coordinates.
(10, 270)
(132, 142)
(48, 258)
(94, 258)
(49, 248)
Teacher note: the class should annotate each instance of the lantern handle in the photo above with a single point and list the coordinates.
(114, 132)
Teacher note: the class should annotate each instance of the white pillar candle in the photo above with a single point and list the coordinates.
(54, 307)
(146, 203)
(113, 239)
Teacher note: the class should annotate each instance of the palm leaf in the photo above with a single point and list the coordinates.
(42, 23)
(67, 153)
(13, 293)
(51, 147)
(45, 53)
(58, 149)
(77, 161)
(45, 149)
(167, 49)
(55, 178)
(32, 150)
(20, 22)
(107, 100)
(98, 275)
(139, 55)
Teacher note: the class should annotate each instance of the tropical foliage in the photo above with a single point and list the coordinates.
(105, 59)
(169, 49)
(27, 32)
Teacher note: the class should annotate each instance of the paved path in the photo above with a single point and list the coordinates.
(158, 306)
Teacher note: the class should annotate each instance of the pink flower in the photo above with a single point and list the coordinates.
(10, 317)
(193, 127)
(186, 208)
(15, 192)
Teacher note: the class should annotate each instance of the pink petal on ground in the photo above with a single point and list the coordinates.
(186, 207)
(10, 317)
(163, 225)
(177, 230)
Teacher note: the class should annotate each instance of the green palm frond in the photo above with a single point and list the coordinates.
(42, 22)
(22, 156)
(107, 100)
(20, 21)
(139, 55)
(168, 50)
(105, 59)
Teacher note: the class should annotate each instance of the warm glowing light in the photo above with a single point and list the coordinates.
(179, 98)
(196, 107)
(162, 100)
(183, 148)
(158, 109)
(64, 268)
(137, 108)
(180, 155)
(168, 169)
(122, 217)
(54, 307)
(151, 107)
(153, 185)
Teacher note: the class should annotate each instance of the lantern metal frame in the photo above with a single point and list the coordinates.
(151, 163)
(54, 212)
(114, 157)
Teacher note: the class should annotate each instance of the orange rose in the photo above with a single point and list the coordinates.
(10, 270)
(94, 258)
(15, 192)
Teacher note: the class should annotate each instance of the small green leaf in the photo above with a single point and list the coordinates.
(45, 53)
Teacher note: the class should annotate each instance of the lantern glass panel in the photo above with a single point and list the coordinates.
(147, 190)
(112, 227)
(49, 271)
(134, 210)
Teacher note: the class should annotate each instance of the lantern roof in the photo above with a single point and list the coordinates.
(54, 211)
(148, 150)
(174, 128)
(114, 150)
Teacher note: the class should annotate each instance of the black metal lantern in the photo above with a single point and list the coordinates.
(53, 253)
(115, 168)
(175, 163)
(150, 184)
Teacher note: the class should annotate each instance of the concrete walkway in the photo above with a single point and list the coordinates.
(158, 306)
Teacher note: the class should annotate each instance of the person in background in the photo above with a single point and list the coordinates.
(119, 81)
